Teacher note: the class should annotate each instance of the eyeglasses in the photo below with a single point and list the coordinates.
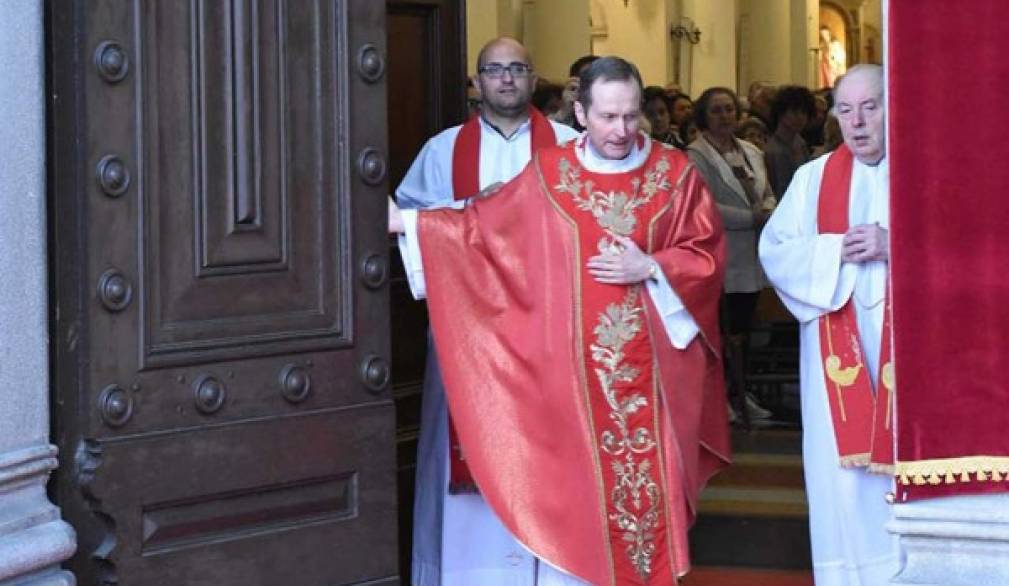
(497, 70)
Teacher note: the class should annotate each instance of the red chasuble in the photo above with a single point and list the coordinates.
(586, 431)
(466, 183)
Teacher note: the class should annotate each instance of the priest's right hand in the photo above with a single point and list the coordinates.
(631, 265)
(395, 219)
(865, 243)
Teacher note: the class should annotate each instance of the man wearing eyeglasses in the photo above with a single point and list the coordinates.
(577, 309)
(457, 539)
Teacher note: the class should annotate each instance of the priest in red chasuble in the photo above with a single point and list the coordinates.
(825, 250)
(576, 315)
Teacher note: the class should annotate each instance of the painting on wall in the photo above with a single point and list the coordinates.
(833, 51)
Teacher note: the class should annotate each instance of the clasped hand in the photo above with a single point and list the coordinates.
(864, 243)
(631, 265)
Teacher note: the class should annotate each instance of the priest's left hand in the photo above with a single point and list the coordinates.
(864, 243)
(629, 266)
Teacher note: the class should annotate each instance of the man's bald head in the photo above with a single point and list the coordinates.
(499, 43)
(864, 73)
(505, 79)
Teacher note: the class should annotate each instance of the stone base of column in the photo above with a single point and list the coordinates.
(955, 541)
(33, 538)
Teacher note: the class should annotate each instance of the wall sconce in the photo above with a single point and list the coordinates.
(686, 30)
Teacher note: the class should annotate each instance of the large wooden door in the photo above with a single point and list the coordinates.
(219, 289)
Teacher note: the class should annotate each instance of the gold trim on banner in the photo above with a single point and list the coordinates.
(881, 469)
(953, 470)
(855, 460)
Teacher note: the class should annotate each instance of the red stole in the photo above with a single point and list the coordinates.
(863, 419)
(466, 151)
(466, 183)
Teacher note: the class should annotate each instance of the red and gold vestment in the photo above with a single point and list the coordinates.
(586, 431)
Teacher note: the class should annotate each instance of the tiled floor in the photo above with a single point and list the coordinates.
(743, 577)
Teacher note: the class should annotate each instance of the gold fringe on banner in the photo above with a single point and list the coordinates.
(882, 469)
(855, 461)
(865, 461)
(953, 470)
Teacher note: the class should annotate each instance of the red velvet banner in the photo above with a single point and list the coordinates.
(949, 173)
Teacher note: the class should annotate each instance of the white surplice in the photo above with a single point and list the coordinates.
(847, 507)
(475, 548)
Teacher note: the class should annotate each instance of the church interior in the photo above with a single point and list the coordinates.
(215, 373)
(753, 525)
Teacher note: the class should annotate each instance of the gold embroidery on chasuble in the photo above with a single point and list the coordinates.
(620, 358)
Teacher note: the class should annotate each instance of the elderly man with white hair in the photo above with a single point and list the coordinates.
(826, 252)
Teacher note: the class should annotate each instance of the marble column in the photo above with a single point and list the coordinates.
(953, 541)
(33, 538)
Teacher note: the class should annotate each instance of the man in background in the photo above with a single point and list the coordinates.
(792, 108)
(566, 113)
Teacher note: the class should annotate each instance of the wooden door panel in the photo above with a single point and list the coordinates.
(217, 183)
(208, 500)
(242, 132)
(235, 48)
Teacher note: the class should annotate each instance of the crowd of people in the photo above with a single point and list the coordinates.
(591, 255)
(669, 115)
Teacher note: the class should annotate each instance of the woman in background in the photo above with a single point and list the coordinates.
(753, 131)
(735, 173)
(786, 151)
(688, 131)
(681, 109)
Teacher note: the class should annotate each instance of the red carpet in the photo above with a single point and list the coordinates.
(744, 577)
